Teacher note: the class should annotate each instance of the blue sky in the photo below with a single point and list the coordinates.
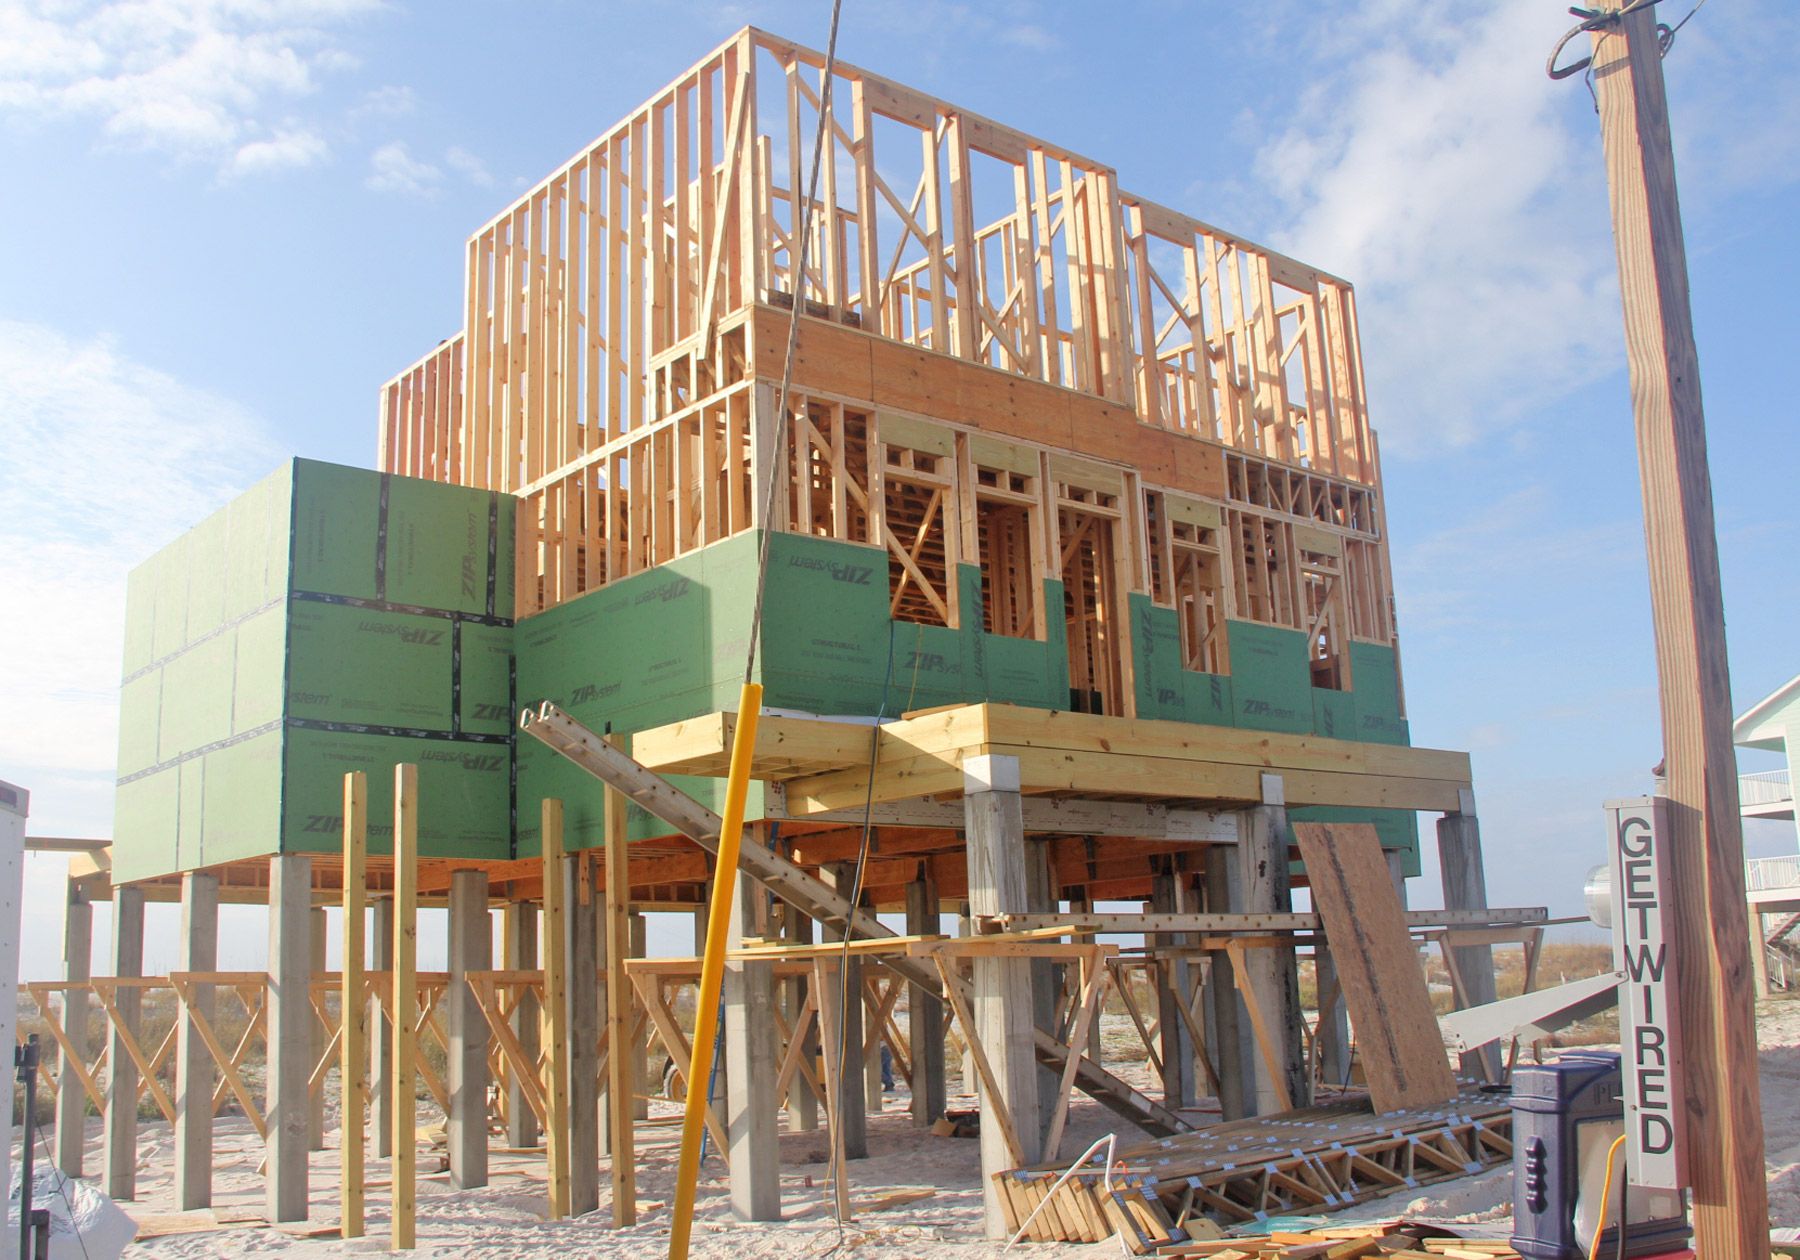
(227, 221)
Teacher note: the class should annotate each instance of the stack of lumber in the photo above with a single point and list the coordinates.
(1395, 1241)
(1318, 1159)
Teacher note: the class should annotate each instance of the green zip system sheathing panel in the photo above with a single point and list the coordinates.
(347, 620)
(329, 619)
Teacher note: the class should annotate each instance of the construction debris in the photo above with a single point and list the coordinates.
(1318, 1159)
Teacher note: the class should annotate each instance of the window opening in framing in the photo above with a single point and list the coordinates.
(1261, 569)
(1006, 507)
(1187, 574)
(915, 495)
(1321, 568)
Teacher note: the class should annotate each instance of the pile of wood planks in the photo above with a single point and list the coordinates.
(1318, 1159)
(1397, 1240)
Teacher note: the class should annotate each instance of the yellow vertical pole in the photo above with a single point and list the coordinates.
(555, 1014)
(354, 1015)
(712, 965)
(406, 999)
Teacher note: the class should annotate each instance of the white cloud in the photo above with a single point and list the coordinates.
(393, 170)
(103, 460)
(285, 150)
(189, 77)
(1434, 164)
(468, 166)
(389, 101)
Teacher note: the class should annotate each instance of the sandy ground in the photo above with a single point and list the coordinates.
(507, 1217)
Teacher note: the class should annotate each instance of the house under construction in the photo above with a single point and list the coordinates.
(1079, 589)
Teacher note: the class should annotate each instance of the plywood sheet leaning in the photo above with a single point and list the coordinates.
(1403, 1052)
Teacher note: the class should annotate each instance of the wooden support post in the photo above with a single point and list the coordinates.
(1465, 888)
(353, 998)
(1717, 1019)
(1228, 1031)
(926, 1010)
(1396, 861)
(315, 1102)
(1081, 903)
(584, 1036)
(556, 1010)
(752, 1058)
(874, 1087)
(71, 1098)
(120, 1146)
(802, 1102)
(1045, 978)
(290, 1020)
(624, 1078)
(1274, 972)
(381, 1032)
(519, 952)
(1002, 992)
(849, 1106)
(1333, 1031)
(971, 1078)
(466, 1066)
(404, 1143)
(198, 951)
(1172, 989)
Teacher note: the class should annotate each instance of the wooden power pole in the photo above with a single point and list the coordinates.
(1716, 1012)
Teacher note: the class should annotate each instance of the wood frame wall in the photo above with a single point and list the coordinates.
(625, 323)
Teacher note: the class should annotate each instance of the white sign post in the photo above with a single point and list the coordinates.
(1644, 948)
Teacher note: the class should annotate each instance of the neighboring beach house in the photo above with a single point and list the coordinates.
(1773, 883)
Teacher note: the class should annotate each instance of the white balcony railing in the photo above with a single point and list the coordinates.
(1767, 787)
(1771, 872)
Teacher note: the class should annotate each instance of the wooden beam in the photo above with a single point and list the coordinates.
(1717, 1018)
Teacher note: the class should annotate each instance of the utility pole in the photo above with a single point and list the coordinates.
(1716, 1012)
